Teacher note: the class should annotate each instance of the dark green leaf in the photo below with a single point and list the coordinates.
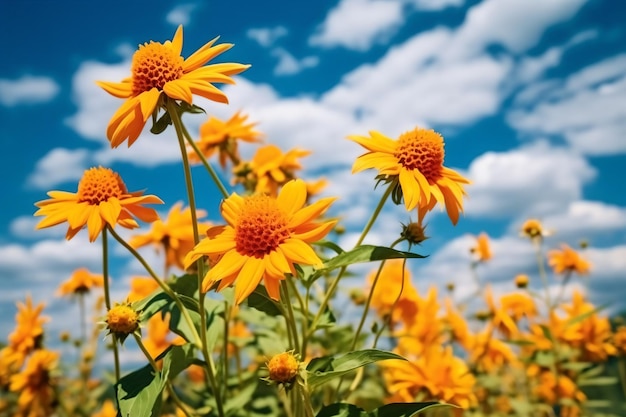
(190, 108)
(260, 300)
(341, 410)
(330, 245)
(160, 125)
(367, 253)
(346, 363)
(405, 409)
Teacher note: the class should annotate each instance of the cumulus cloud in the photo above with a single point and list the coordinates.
(359, 24)
(537, 179)
(289, 65)
(267, 36)
(435, 5)
(594, 94)
(28, 89)
(181, 14)
(57, 166)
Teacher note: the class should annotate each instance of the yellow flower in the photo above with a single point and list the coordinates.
(263, 239)
(518, 305)
(533, 229)
(141, 287)
(415, 160)
(107, 410)
(500, 317)
(28, 330)
(619, 340)
(101, 200)
(423, 329)
(174, 235)
(482, 250)
(156, 338)
(394, 283)
(438, 374)
(216, 134)
(269, 169)
(457, 325)
(489, 352)
(34, 384)
(283, 368)
(567, 260)
(521, 281)
(159, 69)
(551, 391)
(80, 282)
(122, 320)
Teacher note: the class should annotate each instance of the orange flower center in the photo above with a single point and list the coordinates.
(283, 367)
(155, 64)
(122, 319)
(99, 184)
(421, 149)
(261, 228)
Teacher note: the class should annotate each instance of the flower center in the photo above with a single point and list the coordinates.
(421, 149)
(99, 184)
(122, 319)
(261, 227)
(155, 64)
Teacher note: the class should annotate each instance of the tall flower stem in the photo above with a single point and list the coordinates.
(180, 129)
(107, 298)
(542, 271)
(291, 319)
(333, 286)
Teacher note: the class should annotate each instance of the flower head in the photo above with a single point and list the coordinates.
(217, 135)
(263, 239)
(394, 296)
(159, 69)
(415, 162)
(533, 229)
(283, 368)
(34, 385)
(521, 281)
(482, 250)
(102, 200)
(122, 320)
(141, 287)
(28, 329)
(174, 235)
(80, 282)
(567, 260)
(269, 169)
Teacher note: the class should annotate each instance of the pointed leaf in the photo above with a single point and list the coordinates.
(367, 253)
(405, 409)
(341, 410)
(260, 300)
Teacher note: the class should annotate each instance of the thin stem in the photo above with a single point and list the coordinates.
(216, 179)
(303, 312)
(291, 318)
(621, 367)
(542, 271)
(393, 307)
(180, 133)
(166, 288)
(227, 318)
(333, 286)
(107, 297)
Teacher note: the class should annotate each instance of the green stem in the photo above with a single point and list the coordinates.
(291, 318)
(216, 179)
(542, 271)
(180, 133)
(393, 307)
(166, 288)
(333, 286)
(303, 312)
(621, 367)
(107, 297)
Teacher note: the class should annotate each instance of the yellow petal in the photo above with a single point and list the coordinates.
(299, 252)
(248, 278)
(177, 40)
(119, 90)
(179, 90)
(292, 196)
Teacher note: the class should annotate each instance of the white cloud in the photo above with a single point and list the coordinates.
(584, 219)
(181, 14)
(358, 24)
(536, 179)
(57, 166)
(267, 36)
(435, 5)
(23, 227)
(515, 24)
(595, 95)
(289, 65)
(27, 89)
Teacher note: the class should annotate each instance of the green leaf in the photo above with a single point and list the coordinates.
(185, 285)
(260, 300)
(160, 125)
(326, 368)
(139, 393)
(405, 409)
(585, 315)
(367, 253)
(388, 410)
(329, 245)
(600, 380)
(190, 108)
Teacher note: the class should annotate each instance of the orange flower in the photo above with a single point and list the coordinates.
(157, 339)
(283, 368)
(394, 283)
(263, 239)
(437, 375)
(489, 352)
(269, 169)
(500, 317)
(533, 229)
(34, 385)
(174, 235)
(102, 200)
(158, 70)
(80, 282)
(567, 260)
(28, 331)
(482, 251)
(521, 281)
(415, 162)
(216, 134)
(619, 340)
(141, 287)
(107, 410)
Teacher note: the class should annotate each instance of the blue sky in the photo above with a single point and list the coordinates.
(530, 96)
